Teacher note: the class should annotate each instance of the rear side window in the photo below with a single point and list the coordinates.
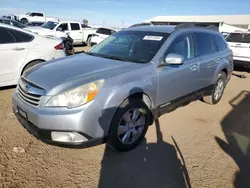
(104, 31)
(204, 44)
(75, 26)
(219, 43)
(20, 36)
(239, 37)
(39, 14)
(182, 45)
(6, 37)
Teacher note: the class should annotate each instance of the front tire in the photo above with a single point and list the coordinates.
(128, 126)
(218, 90)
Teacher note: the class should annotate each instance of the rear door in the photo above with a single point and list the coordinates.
(13, 52)
(208, 56)
(239, 43)
(76, 32)
(40, 17)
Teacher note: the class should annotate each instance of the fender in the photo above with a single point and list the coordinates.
(222, 66)
(122, 93)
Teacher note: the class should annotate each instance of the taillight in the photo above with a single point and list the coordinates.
(59, 46)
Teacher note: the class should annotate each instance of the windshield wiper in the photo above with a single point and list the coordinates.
(106, 56)
(112, 57)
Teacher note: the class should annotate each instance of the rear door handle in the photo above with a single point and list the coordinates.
(217, 60)
(194, 67)
(18, 49)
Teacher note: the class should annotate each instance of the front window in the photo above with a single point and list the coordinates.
(134, 46)
(49, 25)
(239, 37)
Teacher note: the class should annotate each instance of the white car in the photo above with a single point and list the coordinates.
(74, 29)
(35, 17)
(20, 50)
(100, 35)
(239, 43)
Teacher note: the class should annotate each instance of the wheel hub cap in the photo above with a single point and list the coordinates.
(131, 126)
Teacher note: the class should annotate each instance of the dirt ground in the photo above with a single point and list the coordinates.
(195, 146)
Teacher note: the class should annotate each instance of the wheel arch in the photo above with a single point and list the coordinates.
(42, 60)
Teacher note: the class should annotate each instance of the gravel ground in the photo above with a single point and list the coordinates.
(195, 146)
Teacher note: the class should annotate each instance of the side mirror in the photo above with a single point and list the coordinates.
(59, 29)
(173, 59)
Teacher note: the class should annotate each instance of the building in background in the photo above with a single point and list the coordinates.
(226, 23)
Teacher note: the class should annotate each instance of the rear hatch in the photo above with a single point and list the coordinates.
(239, 43)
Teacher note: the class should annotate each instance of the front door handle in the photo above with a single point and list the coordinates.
(194, 67)
(18, 49)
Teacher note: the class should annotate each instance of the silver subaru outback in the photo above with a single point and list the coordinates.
(116, 90)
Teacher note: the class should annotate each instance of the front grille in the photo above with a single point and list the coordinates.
(31, 94)
(29, 98)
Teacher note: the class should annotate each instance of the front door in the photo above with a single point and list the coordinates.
(12, 56)
(178, 81)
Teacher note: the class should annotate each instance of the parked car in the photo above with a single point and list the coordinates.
(12, 22)
(35, 24)
(114, 92)
(35, 17)
(74, 29)
(10, 16)
(20, 50)
(100, 35)
(239, 43)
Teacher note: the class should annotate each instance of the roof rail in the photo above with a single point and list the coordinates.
(193, 25)
(185, 25)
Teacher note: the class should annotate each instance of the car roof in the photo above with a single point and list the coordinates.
(171, 28)
(16, 28)
(7, 19)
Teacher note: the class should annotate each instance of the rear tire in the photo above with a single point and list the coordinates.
(89, 41)
(218, 90)
(24, 21)
(31, 65)
(129, 126)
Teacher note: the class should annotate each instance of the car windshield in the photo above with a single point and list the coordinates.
(134, 46)
(49, 25)
(239, 37)
(17, 24)
(28, 13)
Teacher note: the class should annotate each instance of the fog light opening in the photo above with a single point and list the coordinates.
(67, 137)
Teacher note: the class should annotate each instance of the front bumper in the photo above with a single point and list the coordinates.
(41, 122)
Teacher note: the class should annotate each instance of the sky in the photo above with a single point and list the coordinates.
(123, 12)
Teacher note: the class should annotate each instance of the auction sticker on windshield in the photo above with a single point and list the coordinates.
(156, 38)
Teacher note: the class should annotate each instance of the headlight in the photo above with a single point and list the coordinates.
(76, 97)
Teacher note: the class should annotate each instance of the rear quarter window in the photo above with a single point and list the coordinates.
(219, 43)
(104, 31)
(239, 37)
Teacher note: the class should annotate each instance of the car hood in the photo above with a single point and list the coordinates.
(66, 73)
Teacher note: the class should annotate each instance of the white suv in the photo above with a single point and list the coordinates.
(239, 43)
(20, 50)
